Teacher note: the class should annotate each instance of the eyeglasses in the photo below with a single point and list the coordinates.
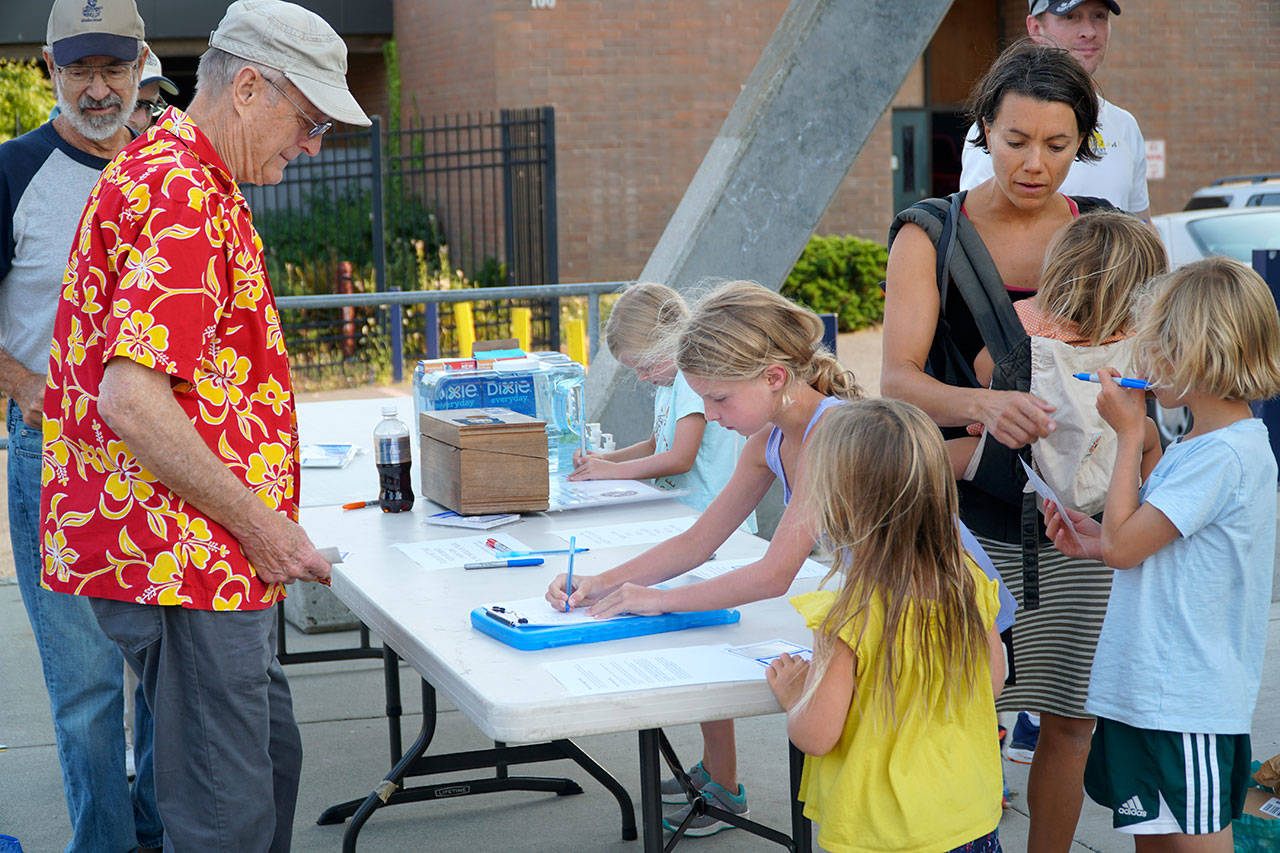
(112, 75)
(317, 128)
(154, 108)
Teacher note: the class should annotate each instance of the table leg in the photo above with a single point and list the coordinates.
(650, 795)
(415, 762)
(801, 828)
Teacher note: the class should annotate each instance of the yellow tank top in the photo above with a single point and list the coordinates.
(929, 783)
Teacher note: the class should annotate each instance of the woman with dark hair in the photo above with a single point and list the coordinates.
(956, 266)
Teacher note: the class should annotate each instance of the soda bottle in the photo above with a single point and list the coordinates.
(391, 452)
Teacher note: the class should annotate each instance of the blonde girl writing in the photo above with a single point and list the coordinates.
(683, 451)
(756, 360)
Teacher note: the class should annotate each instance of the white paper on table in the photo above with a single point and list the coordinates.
(770, 650)
(676, 667)
(630, 533)
(715, 568)
(583, 494)
(453, 553)
(1043, 490)
(538, 611)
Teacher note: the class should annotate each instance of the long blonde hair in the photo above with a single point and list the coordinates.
(882, 494)
(1211, 327)
(1095, 268)
(642, 319)
(741, 328)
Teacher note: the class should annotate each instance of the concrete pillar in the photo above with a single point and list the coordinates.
(823, 81)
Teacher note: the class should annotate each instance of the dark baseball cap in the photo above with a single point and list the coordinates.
(1062, 7)
(80, 28)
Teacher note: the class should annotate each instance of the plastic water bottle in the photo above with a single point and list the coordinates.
(391, 452)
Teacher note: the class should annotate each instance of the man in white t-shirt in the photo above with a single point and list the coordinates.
(1083, 28)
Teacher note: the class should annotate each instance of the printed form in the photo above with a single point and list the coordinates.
(676, 667)
(453, 553)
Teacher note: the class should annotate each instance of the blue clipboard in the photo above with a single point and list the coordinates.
(550, 636)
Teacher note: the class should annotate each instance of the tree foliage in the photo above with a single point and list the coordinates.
(26, 97)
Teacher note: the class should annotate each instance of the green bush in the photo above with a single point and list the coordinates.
(841, 276)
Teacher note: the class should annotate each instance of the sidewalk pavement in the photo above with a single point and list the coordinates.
(339, 707)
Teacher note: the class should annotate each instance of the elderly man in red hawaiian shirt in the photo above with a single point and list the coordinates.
(171, 454)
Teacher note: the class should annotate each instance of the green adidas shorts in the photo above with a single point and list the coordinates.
(1159, 783)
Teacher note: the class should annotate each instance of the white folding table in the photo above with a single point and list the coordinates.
(423, 615)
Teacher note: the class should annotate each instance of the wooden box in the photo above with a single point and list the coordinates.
(478, 461)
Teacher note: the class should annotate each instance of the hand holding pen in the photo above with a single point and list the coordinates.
(1123, 407)
(1122, 381)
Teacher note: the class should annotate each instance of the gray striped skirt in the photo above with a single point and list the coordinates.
(1053, 646)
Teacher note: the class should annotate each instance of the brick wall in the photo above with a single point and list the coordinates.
(641, 87)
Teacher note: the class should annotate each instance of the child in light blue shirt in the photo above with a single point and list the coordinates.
(683, 452)
(1179, 660)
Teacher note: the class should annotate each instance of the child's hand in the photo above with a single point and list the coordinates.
(586, 589)
(1088, 539)
(594, 468)
(629, 598)
(1124, 408)
(786, 677)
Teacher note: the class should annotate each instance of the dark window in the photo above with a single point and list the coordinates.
(1205, 202)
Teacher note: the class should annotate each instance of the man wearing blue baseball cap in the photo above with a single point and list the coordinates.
(95, 53)
(1083, 28)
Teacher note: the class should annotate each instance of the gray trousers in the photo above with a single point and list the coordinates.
(227, 749)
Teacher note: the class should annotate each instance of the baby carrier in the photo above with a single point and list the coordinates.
(964, 263)
(1076, 460)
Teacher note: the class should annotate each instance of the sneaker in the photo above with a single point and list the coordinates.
(705, 824)
(130, 769)
(1022, 743)
(673, 794)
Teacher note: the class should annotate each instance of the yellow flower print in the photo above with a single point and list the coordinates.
(139, 199)
(127, 480)
(219, 382)
(165, 576)
(271, 393)
(247, 287)
(142, 340)
(140, 268)
(275, 335)
(58, 558)
(195, 544)
(56, 454)
(270, 473)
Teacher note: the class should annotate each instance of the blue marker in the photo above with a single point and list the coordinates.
(542, 553)
(502, 564)
(568, 580)
(1122, 381)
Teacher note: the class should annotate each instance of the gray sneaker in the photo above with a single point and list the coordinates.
(673, 794)
(705, 824)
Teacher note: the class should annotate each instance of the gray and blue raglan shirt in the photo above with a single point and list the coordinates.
(44, 184)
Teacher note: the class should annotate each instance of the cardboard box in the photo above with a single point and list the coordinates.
(477, 461)
(1260, 803)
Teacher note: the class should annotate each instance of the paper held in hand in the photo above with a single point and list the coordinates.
(1043, 490)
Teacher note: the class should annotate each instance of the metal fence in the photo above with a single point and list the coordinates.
(454, 202)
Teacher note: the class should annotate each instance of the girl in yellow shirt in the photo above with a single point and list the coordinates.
(897, 710)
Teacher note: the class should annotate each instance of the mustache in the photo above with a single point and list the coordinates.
(88, 103)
